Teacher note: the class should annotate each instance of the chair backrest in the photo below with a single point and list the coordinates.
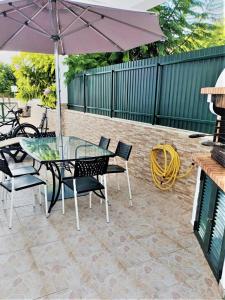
(123, 150)
(91, 167)
(45, 134)
(4, 167)
(104, 142)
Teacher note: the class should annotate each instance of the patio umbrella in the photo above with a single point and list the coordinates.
(76, 27)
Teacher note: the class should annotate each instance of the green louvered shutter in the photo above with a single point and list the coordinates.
(204, 208)
(210, 223)
(216, 244)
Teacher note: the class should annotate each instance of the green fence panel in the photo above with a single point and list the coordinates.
(161, 90)
(98, 95)
(76, 91)
(184, 106)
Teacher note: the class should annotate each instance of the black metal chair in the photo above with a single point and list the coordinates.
(19, 171)
(83, 181)
(16, 183)
(104, 142)
(123, 151)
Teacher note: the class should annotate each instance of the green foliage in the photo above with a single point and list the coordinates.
(34, 74)
(185, 26)
(79, 63)
(7, 79)
(217, 36)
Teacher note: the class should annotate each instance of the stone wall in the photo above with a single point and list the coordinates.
(140, 135)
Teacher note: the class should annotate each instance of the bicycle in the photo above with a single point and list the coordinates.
(17, 128)
(43, 127)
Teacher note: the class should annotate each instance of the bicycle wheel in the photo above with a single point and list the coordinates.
(26, 130)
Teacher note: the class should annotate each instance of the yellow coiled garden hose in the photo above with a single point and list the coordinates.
(165, 166)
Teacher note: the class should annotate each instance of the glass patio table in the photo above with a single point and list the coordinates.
(56, 152)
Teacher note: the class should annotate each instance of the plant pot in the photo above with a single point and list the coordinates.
(26, 112)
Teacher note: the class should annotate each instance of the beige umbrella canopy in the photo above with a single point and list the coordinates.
(75, 27)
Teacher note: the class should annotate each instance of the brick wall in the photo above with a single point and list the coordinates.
(142, 136)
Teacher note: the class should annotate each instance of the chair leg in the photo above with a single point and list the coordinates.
(101, 181)
(39, 195)
(90, 200)
(33, 196)
(4, 192)
(117, 177)
(118, 182)
(129, 187)
(63, 199)
(4, 198)
(106, 200)
(46, 174)
(76, 206)
(11, 209)
(46, 200)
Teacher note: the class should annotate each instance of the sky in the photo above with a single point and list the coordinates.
(6, 56)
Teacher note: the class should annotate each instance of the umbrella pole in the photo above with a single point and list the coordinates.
(58, 91)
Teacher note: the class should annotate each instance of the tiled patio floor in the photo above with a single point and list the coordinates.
(147, 251)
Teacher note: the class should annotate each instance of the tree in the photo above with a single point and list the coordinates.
(35, 74)
(7, 79)
(217, 35)
(185, 26)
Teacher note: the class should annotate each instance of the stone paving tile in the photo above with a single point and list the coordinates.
(112, 237)
(12, 242)
(30, 223)
(83, 245)
(14, 263)
(28, 210)
(27, 285)
(147, 251)
(4, 227)
(183, 235)
(100, 264)
(158, 244)
(41, 235)
(153, 275)
(131, 253)
(120, 285)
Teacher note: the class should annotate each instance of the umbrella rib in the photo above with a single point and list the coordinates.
(19, 30)
(82, 27)
(26, 23)
(9, 11)
(22, 14)
(93, 28)
(77, 18)
(120, 21)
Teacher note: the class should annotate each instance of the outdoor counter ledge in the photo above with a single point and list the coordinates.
(215, 171)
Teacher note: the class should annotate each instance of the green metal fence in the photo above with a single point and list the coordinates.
(163, 90)
(5, 107)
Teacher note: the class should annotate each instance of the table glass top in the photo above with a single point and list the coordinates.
(66, 148)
